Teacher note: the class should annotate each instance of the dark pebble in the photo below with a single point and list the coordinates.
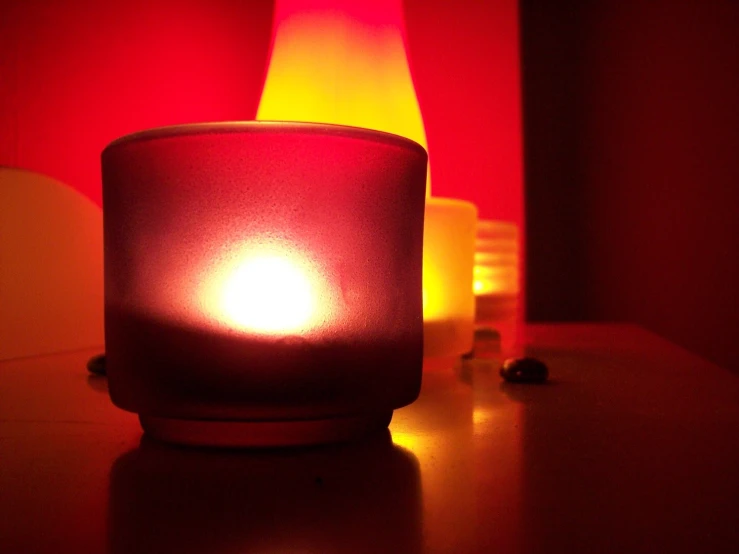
(524, 370)
(96, 364)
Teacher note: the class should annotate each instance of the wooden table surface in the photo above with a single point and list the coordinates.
(632, 447)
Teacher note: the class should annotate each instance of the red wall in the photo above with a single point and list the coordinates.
(632, 157)
(76, 74)
(466, 68)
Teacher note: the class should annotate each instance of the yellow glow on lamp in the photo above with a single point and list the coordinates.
(341, 62)
(344, 62)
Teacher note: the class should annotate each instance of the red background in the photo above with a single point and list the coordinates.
(631, 128)
(77, 74)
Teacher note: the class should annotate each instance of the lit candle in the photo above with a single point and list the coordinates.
(263, 280)
(448, 302)
(342, 61)
(268, 291)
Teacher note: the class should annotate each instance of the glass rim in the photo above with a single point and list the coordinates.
(227, 127)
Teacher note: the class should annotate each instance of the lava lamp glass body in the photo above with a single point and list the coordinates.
(263, 280)
(342, 62)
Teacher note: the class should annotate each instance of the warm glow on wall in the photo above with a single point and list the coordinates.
(341, 62)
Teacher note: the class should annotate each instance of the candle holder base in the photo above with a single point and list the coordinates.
(263, 434)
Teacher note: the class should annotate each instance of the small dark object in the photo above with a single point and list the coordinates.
(524, 370)
(96, 364)
(319, 481)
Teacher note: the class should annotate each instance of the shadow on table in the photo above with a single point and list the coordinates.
(354, 497)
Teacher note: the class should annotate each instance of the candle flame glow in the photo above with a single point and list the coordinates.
(342, 62)
(269, 294)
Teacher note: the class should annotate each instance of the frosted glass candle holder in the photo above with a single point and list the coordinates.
(448, 300)
(263, 280)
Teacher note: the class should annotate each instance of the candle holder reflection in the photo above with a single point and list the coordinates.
(354, 497)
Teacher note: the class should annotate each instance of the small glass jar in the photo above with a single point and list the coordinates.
(263, 280)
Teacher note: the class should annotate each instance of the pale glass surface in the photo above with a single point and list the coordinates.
(448, 301)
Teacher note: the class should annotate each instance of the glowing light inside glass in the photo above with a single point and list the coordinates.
(268, 294)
